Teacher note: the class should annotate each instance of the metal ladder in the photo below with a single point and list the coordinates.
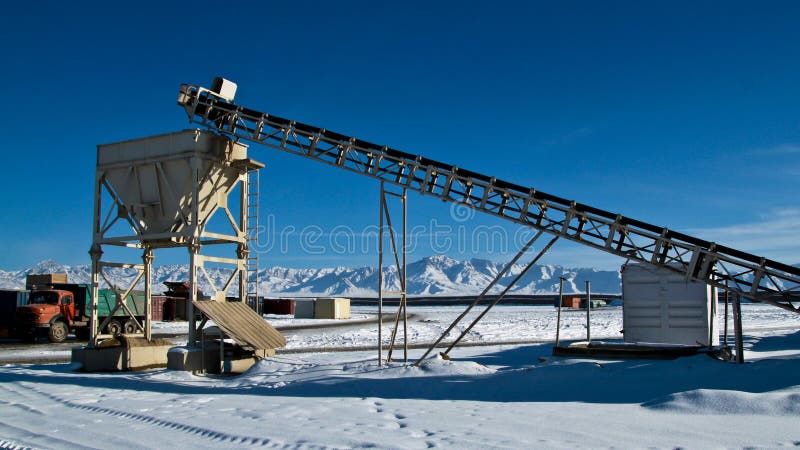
(251, 265)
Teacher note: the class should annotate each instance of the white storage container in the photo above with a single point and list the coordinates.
(660, 306)
(332, 308)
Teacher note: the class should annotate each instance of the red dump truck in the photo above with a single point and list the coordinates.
(58, 309)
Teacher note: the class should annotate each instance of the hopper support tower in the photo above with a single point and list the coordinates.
(161, 192)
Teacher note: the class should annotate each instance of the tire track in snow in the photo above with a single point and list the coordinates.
(215, 436)
(9, 445)
(22, 406)
(19, 393)
(7, 429)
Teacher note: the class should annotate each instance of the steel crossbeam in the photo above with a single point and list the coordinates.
(751, 276)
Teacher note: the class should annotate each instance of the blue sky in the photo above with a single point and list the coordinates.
(682, 114)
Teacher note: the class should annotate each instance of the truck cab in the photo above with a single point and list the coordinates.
(49, 312)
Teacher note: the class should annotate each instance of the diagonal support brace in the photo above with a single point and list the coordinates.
(480, 297)
(502, 294)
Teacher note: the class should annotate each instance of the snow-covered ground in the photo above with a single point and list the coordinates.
(487, 397)
(504, 323)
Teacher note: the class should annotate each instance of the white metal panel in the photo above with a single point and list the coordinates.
(153, 176)
(660, 306)
(242, 324)
(225, 88)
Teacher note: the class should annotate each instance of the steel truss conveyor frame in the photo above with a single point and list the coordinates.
(749, 276)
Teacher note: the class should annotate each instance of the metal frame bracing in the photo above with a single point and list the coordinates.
(486, 291)
(742, 273)
(400, 265)
(189, 232)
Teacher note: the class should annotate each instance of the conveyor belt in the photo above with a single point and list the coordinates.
(748, 275)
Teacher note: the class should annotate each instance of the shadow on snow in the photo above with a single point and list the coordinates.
(520, 378)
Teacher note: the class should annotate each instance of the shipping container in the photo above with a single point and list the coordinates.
(571, 301)
(304, 308)
(661, 306)
(332, 308)
(596, 303)
(9, 301)
(44, 279)
(280, 306)
(165, 308)
(157, 312)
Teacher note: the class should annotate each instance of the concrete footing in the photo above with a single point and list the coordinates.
(624, 350)
(207, 359)
(131, 353)
(122, 355)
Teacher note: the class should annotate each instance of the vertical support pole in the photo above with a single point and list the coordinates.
(405, 285)
(713, 323)
(737, 326)
(147, 258)
(588, 311)
(194, 248)
(560, 303)
(727, 299)
(380, 278)
(400, 265)
(96, 252)
(202, 351)
(221, 353)
(194, 251)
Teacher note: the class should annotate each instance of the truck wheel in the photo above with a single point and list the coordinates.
(130, 326)
(58, 332)
(114, 328)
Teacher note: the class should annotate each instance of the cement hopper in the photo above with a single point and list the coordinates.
(153, 181)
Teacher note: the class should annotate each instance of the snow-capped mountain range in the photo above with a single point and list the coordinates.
(434, 275)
